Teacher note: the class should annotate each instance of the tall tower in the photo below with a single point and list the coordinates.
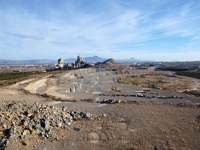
(60, 63)
(79, 59)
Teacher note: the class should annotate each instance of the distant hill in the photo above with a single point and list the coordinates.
(127, 60)
(96, 59)
(34, 61)
(40, 61)
(93, 59)
(109, 61)
(7, 62)
(71, 60)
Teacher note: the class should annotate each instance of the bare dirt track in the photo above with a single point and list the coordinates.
(153, 123)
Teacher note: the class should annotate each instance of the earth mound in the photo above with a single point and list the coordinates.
(109, 62)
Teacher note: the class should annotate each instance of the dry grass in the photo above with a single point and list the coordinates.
(9, 78)
(160, 81)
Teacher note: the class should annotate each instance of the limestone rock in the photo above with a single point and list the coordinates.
(34, 119)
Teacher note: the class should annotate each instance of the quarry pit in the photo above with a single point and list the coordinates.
(122, 115)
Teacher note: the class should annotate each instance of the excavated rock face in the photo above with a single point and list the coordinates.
(83, 84)
(75, 88)
(77, 74)
(75, 81)
(34, 86)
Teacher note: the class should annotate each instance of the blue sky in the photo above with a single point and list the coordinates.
(161, 30)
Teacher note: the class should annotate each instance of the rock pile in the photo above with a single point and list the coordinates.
(110, 101)
(20, 119)
(142, 96)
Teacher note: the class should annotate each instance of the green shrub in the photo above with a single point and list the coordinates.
(189, 74)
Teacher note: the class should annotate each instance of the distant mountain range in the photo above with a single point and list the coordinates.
(93, 59)
(131, 60)
(34, 61)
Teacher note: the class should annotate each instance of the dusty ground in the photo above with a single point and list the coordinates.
(124, 126)
(129, 127)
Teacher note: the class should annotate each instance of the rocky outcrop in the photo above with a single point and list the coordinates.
(60, 63)
(79, 59)
(108, 64)
(77, 73)
(81, 86)
(109, 61)
(76, 88)
(34, 86)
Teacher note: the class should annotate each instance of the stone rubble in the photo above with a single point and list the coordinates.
(142, 96)
(20, 119)
(110, 101)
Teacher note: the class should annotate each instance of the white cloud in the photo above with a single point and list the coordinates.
(181, 23)
(28, 36)
(73, 31)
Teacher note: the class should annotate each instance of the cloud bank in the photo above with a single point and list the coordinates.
(153, 30)
(19, 35)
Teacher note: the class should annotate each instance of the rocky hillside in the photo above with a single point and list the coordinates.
(110, 63)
